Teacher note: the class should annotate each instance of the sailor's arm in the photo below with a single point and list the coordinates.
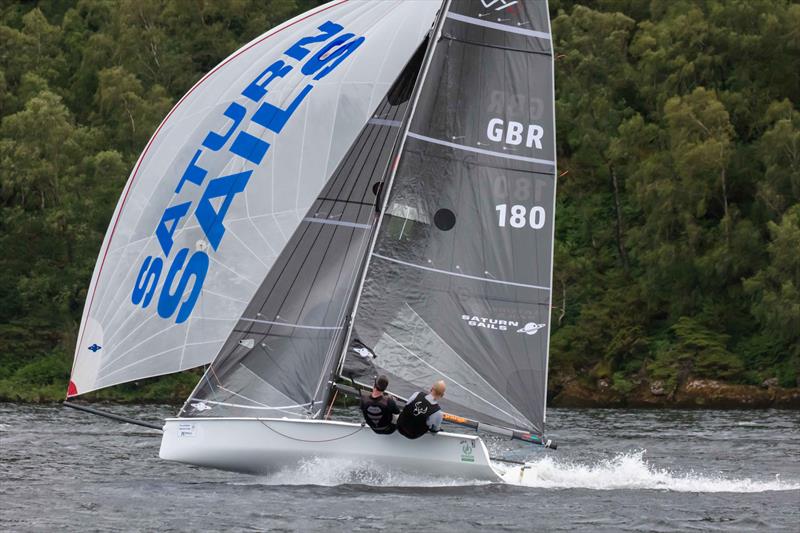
(435, 421)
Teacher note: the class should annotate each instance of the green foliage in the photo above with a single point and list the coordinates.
(677, 230)
(678, 219)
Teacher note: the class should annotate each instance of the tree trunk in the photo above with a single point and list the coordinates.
(619, 228)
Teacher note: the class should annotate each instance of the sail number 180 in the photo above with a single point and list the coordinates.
(519, 216)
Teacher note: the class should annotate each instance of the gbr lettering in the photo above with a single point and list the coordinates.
(513, 133)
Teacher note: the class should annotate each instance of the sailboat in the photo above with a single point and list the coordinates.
(366, 189)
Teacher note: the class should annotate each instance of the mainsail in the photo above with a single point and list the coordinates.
(226, 180)
(458, 283)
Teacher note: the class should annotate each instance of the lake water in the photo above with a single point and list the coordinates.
(614, 470)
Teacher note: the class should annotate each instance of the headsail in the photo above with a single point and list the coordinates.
(225, 181)
(279, 359)
(458, 284)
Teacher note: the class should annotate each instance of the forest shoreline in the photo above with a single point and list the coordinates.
(569, 392)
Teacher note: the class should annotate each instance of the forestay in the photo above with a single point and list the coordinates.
(458, 284)
(225, 181)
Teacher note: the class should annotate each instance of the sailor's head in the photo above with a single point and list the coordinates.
(381, 382)
(437, 391)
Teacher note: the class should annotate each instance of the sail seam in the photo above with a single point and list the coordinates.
(440, 271)
(501, 27)
(481, 150)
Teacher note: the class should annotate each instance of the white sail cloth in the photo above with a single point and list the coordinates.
(226, 179)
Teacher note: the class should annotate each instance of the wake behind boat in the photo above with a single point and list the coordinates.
(372, 191)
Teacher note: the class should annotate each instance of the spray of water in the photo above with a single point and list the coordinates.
(629, 471)
(332, 472)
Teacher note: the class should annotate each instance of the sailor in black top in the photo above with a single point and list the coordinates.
(422, 413)
(378, 408)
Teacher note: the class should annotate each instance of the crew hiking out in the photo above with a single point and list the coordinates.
(422, 413)
(378, 408)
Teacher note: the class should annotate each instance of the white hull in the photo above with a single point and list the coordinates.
(265, 445)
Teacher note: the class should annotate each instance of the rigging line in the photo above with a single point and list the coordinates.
(310, 440)
(481, 150)
(467, 276)
(496, 26)
(463, 361)
(287, 324)
(448, 377)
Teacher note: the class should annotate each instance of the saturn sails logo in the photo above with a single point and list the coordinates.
(489, 323)
(531, 328)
